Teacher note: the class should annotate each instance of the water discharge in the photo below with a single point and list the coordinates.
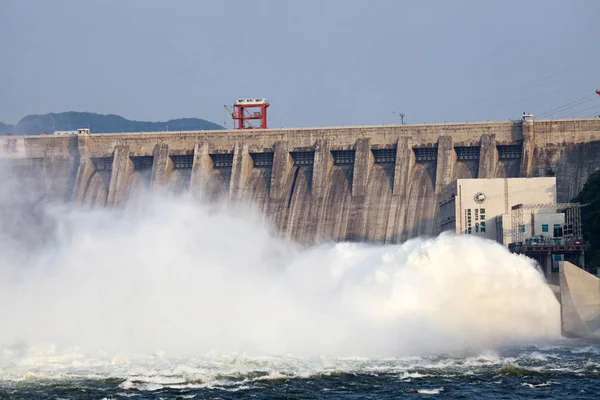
(188, 279)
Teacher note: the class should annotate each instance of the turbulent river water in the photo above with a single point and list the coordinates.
(171, 299)
(562, 369)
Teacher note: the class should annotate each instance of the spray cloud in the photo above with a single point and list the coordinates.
(175, 275)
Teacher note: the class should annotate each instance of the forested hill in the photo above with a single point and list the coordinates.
(590, 215)
(34, 124)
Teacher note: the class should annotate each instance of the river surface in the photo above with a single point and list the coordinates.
(561, 369)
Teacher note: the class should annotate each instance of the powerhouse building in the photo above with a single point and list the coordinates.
(520, 213)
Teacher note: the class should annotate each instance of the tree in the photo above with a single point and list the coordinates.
(590, 216)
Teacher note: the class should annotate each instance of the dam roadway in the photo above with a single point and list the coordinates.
(367, 183)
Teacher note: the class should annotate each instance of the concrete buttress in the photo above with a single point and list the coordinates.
(363, 161)
(162, 166)
(282, 165)
(322, 166)
(242, 165)
(527, 151)
(488, 156)
(405, 159)
(323, 162)
(121, 168)
(446, 157)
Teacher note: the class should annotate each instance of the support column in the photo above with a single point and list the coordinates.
(405, 160)
(282, 165)
(121, 168)
(548, 266)
(488, 157)
(528, 147)
(201, 168)
(322, 165)
(242, 165)
(363, 160)
(277, 210)
(446, 158)
(161, 166)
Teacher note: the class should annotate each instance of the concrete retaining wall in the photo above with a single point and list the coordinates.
(580, 302)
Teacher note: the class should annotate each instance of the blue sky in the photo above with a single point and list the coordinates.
(334, 62)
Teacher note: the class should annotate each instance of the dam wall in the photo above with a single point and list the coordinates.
(367, 183)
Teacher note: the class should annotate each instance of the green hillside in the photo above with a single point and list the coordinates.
(34, 124)
(590, 214)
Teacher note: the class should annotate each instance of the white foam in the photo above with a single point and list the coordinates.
(533, 386)
(431, 391)
(181, 278)
(411, 375)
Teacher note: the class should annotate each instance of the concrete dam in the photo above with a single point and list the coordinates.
(365, 183)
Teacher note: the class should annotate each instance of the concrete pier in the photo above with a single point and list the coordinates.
(580, 302)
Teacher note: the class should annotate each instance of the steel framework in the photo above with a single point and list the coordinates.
(571, 229)
(242, 117)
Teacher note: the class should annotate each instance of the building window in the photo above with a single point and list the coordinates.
(522, 228)
(558, 230)
(544, 227)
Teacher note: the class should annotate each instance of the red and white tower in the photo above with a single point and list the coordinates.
(243, 117)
